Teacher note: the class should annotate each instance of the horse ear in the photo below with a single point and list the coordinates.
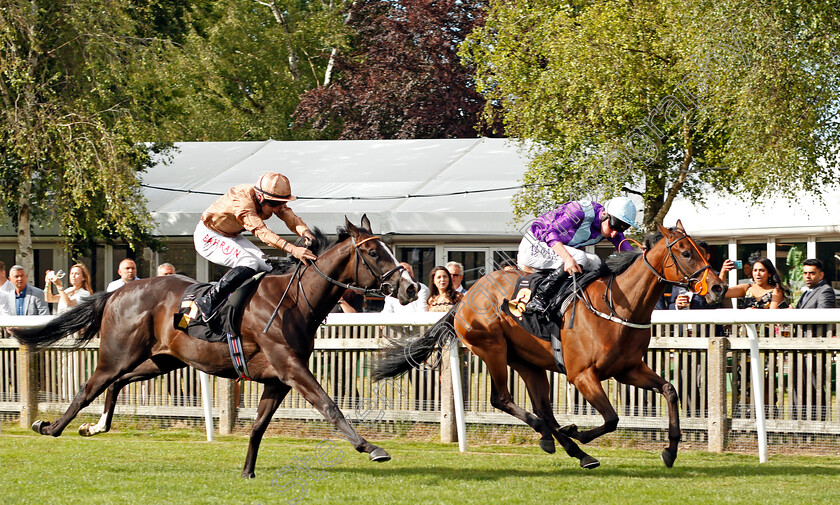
(664, 231)
(351, 228)
(679, 225)
(366, 223)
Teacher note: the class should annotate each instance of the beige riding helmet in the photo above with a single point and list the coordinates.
(274, 186)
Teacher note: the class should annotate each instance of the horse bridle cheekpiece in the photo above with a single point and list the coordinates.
(385, 286)
(696, 282)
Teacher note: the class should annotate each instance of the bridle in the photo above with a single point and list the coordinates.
(696, 281)
(385, 286)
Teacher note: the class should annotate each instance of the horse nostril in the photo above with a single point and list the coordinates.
(717, 289)
(411, 290)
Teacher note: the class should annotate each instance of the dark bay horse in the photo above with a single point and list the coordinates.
(609, 338)
(138, 341)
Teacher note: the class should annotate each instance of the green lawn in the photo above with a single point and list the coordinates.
(178, 466)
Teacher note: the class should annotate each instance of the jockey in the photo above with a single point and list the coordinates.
(556, 240)
(218, 236)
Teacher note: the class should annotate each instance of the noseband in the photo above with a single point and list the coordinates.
(696, 281)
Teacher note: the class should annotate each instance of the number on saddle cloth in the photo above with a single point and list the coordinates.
(227, 316)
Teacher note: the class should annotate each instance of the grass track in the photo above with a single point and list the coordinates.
(172, 466)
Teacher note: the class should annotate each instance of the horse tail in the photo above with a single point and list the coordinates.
(410, 352)
(86, 316)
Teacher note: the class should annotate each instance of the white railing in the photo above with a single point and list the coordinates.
(747, 318)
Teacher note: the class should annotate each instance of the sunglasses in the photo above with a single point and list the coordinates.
(618, 225)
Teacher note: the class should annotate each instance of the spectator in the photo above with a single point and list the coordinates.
(5, 283)
(79, 289)
(23, 300)
(767, 290)
(819, 293)
(128, 273)
(350, 302)
(509, 265)
(456, 272)
(165, 269)
(442, 294)
(747, 279)
(392, 305)
(684, 299)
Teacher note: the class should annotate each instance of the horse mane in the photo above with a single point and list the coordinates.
(318, 246)
(621, 261)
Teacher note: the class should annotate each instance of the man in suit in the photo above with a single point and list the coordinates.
(819, 293)
(23, 300)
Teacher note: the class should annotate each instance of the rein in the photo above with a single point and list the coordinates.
(689, 281)
(380, 291)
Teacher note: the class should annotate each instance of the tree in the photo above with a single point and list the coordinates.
(245, 63)
(404, 78)
(71, 73)
(664, 97)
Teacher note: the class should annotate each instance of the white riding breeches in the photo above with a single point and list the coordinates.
(228, 251)
(537, 255)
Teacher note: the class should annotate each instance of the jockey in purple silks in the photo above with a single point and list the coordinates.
(555, 241)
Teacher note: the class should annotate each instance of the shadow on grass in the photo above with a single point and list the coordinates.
(735, 470)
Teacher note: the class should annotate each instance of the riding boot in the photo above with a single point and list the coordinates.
(222, 289)
(542, 296)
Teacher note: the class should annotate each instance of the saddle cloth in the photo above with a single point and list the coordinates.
(227, 316)
(547, 329)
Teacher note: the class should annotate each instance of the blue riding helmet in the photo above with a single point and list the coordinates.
(622, 212)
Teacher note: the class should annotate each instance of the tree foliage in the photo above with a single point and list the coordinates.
(245, 63)
(403, 78)
(72, 82)
(664, 97)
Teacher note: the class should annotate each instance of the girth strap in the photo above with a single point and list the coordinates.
(237, 356)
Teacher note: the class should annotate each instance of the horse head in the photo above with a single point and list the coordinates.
(684, 264)
(375, 266)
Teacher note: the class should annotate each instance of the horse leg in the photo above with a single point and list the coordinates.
(297, 375)
(149, 369)
(97, 383)
(538, 392)
(643, 377)
(272, 397)
(590, 387)
(538, 389)
(501, 399)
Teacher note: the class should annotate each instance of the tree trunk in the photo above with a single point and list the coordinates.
(25, 254)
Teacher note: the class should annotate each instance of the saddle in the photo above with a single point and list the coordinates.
(547, 329)
(227, 317)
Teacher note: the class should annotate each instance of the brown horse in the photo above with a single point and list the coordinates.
(138, 340)
(609, 338)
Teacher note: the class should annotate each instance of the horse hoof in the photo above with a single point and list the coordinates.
(547, 445)
(37, 426)
(379, 455)
(248, 475)
(84, 430)
(589, 462)
(668, 458)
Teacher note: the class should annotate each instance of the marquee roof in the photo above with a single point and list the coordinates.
(378, 174)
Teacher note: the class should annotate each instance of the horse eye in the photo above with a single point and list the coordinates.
(373, 253)
(686, 254)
